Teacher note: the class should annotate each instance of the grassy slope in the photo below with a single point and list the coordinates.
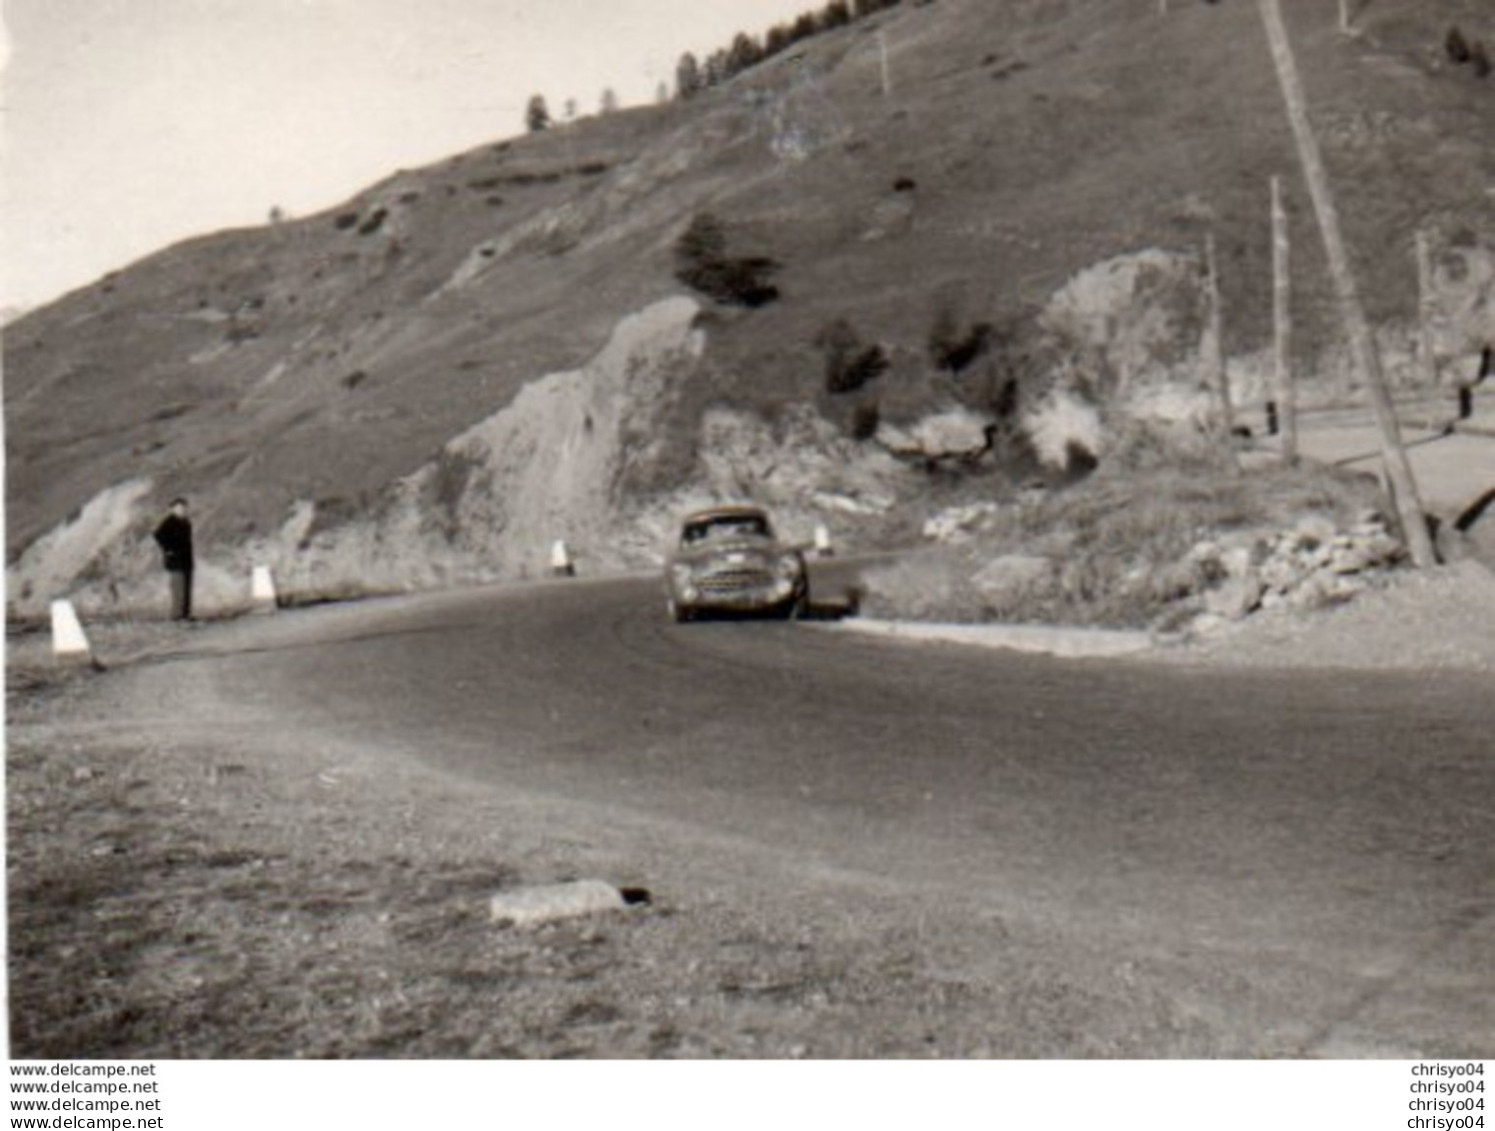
(307, 360)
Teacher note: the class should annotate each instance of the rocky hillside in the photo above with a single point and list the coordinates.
(847, 301)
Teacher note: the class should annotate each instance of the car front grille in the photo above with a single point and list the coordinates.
(723, 582)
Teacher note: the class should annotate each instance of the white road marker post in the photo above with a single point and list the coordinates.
(68, 639)
(561, 564)
(262, 597)
(823, 548)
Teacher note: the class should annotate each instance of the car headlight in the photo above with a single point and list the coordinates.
(788, 568)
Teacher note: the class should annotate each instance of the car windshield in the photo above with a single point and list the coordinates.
(725, 529)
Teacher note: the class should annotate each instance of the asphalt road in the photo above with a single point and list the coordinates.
(1313, 854)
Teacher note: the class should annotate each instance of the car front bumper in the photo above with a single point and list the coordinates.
(721, 593)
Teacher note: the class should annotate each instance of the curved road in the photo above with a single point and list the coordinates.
(1313, 853)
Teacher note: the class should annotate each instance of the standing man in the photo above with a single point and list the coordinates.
(174, 536)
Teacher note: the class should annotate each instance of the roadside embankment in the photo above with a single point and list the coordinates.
(1441, 619)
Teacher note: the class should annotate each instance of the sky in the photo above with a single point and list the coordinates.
(129, 125)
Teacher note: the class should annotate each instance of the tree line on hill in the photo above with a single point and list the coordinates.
(693, 75)
(537, 111)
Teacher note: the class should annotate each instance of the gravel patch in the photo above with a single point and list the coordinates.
(1438, 619)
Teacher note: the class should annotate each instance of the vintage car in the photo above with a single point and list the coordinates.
(730, 562)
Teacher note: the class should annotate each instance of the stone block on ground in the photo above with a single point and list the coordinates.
(1239, 560)
(530, 906)
(958, 524)
(1281, 573)
(1235, 598)
(1205, 624)
(1352, 558)
(1315, 528)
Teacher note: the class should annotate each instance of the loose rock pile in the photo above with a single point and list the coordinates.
(1310, 566)
(962, 523)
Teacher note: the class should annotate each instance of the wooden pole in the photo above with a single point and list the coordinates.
(1214, 359)
(1282, 327)
(1362, 347)
(1344, 16)
(1427, 368)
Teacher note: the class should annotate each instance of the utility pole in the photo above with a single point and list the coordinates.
(882, 49)
(1282, 326)
(1344, 16)
(1427, 368)
(570, 109)
(1362, 347)
(1215, 356)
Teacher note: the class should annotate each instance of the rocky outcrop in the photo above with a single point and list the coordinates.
(96, 540)
(1308, 567)
(488, 506)
(498, 495)
(494, 500)
(1124, 341)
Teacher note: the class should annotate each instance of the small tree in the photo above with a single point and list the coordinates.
(953, 348)
(848, 364)
(704, 241)
(715, 71)
(609, 101)
(1479, 59)
(836, 14)
(688, 80)
(537, 114)
(702, 263)
(743, 53)
(865, 420)
(1456, 46)
(839, 342)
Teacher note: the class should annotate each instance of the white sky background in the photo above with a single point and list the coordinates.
(132, 124)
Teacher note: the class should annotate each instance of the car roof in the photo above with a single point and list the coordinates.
(734, 511)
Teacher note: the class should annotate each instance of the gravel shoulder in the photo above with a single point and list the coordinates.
(1435, 620)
